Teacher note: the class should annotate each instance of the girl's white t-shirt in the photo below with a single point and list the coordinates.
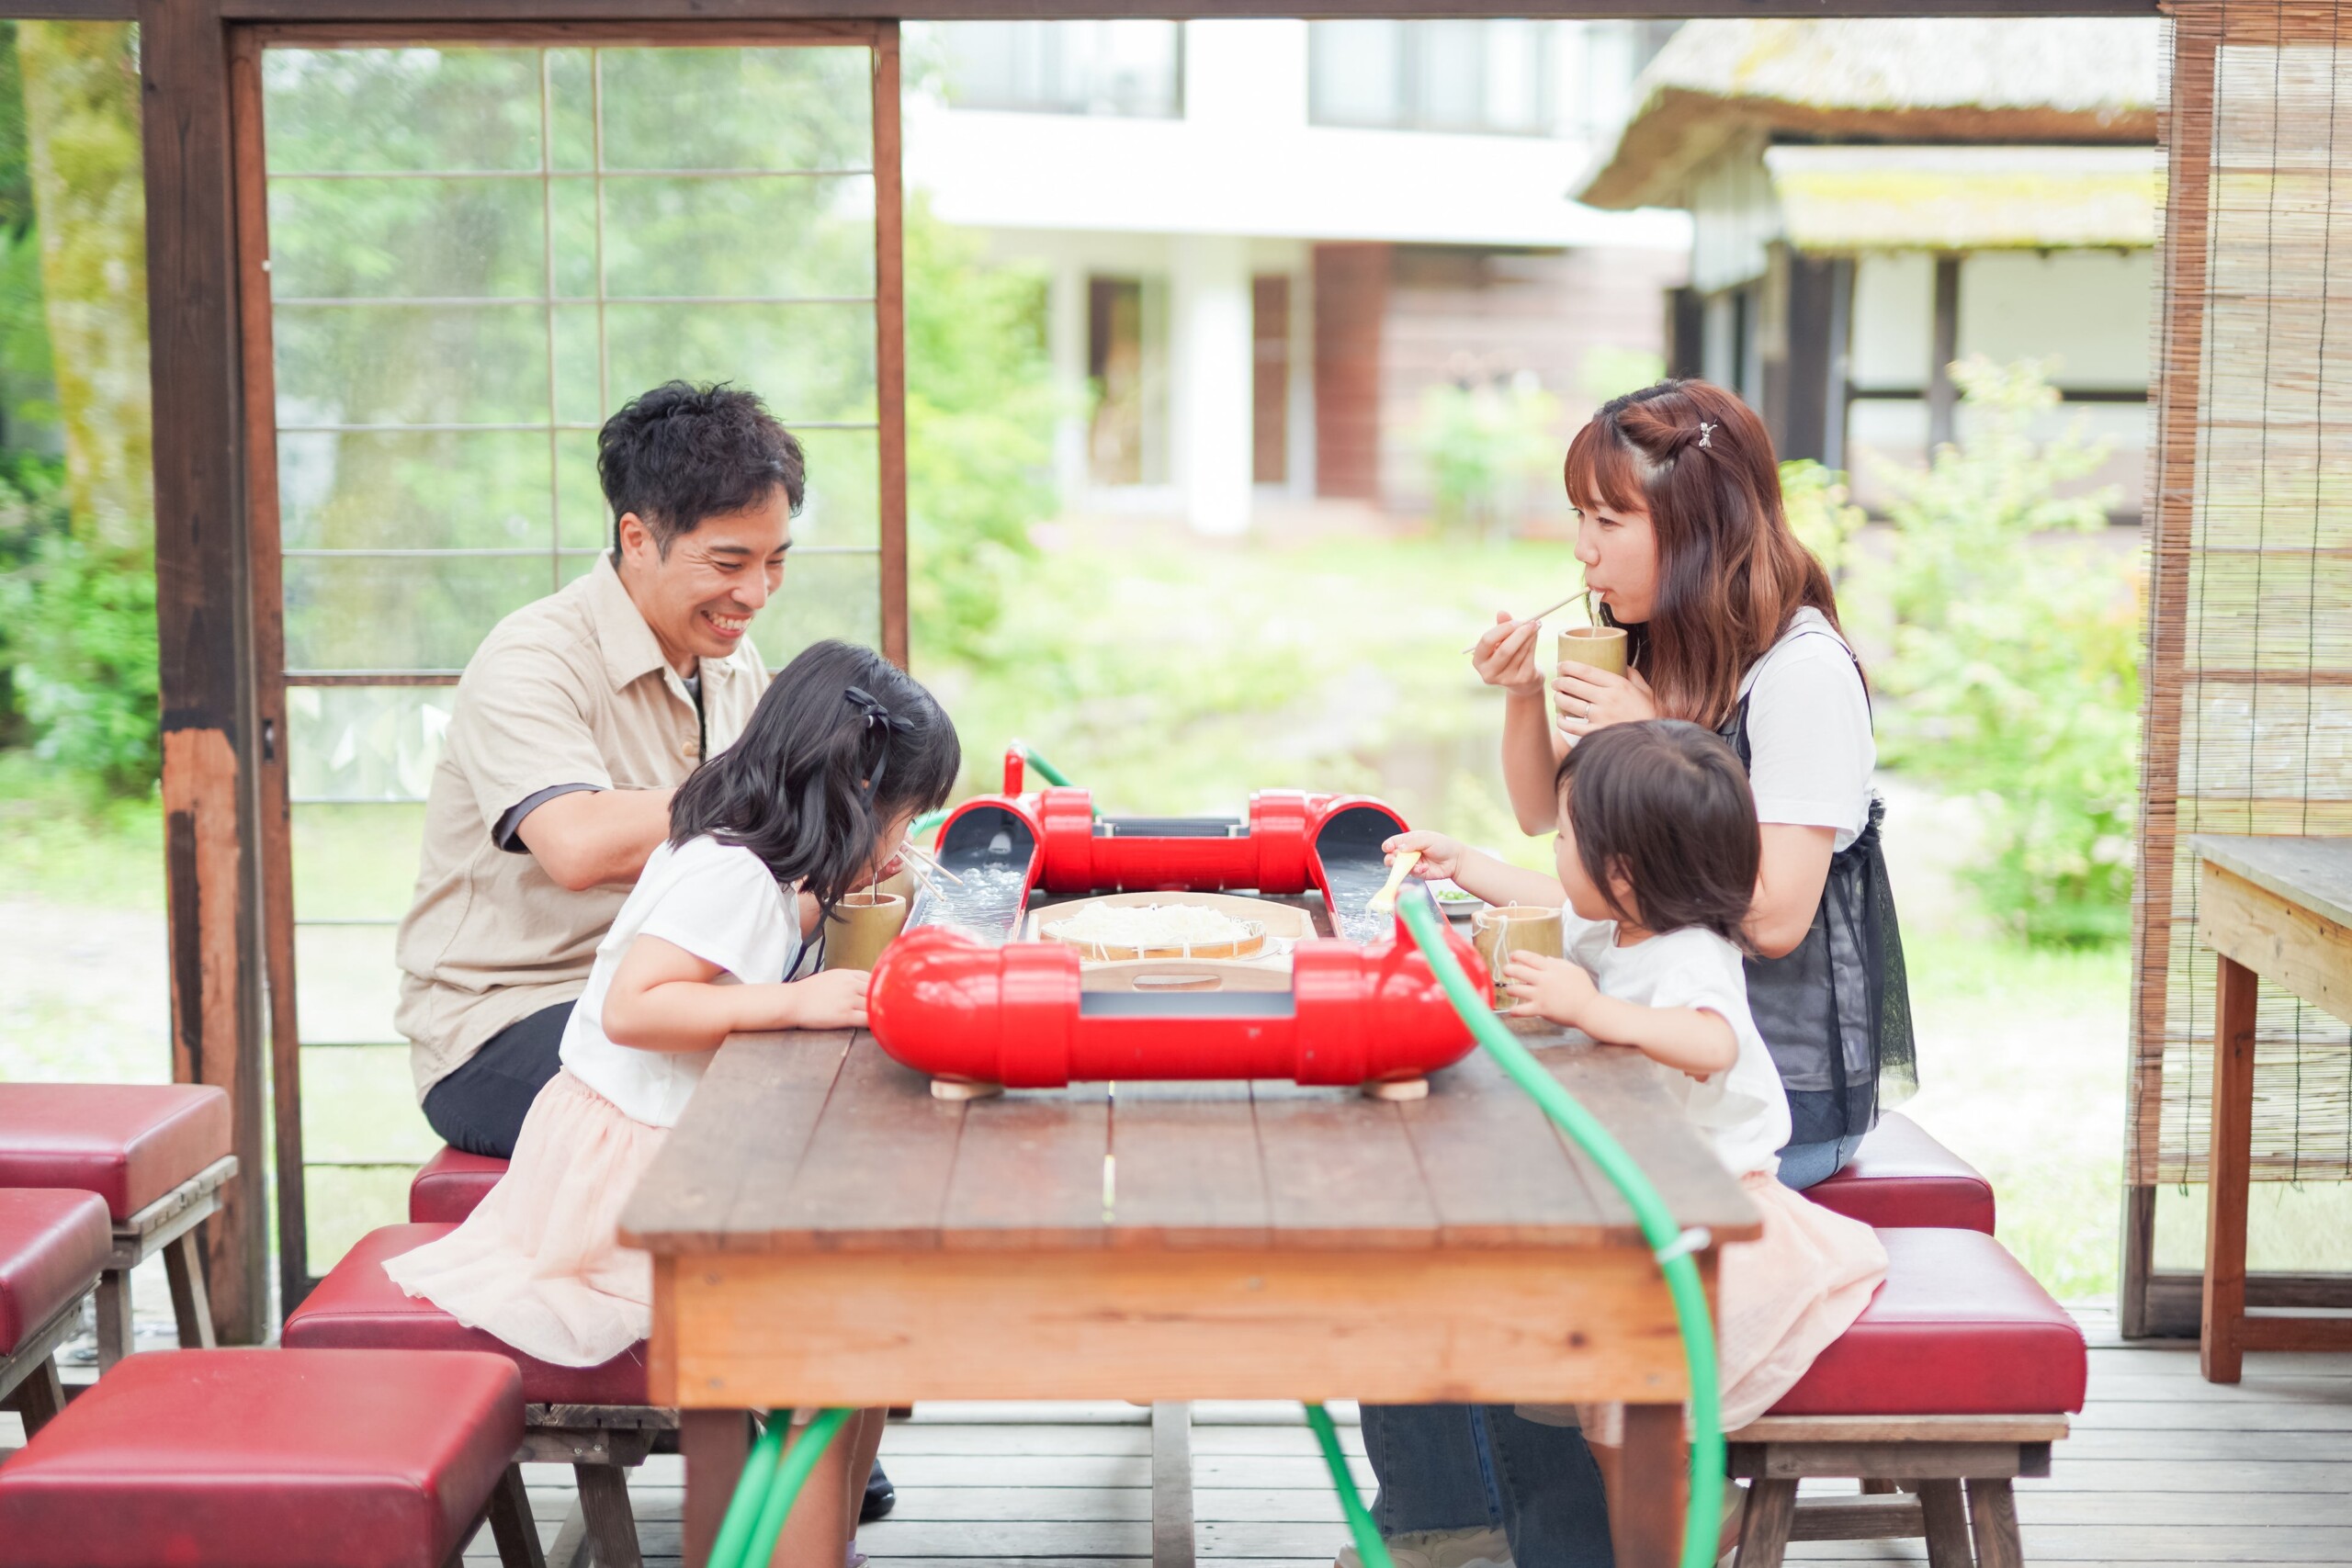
(1741, 1111)
(1809, 731)
(718, 902)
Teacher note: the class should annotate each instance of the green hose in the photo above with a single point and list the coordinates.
(764, 1498)
(1370, 1550)
(1672, 1247)
(1054, 775)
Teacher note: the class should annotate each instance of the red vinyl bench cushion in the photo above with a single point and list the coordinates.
(357, 1306)
(446, 1190)
(1958, 1328)
(265, 1459)
(1900, 1177)
(130, 1143)
(53, 1244)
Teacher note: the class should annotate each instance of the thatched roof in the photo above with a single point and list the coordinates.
(1844, 198)
(1718, 83)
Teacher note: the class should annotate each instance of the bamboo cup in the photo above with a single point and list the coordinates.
(1599, 648)
(861, 926)
(1506, 928)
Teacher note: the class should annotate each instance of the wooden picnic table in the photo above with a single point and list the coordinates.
(2280, 908)
(825, 1232)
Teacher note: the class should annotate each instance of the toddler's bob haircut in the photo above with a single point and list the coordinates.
(1666, 805)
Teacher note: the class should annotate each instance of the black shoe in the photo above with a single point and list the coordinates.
(881, 1497)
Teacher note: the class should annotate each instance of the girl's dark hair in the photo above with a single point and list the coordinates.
(1666, 805)
(1731, 576)
(843, 743)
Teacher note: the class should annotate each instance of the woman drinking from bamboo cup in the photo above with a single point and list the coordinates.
(1731, 623)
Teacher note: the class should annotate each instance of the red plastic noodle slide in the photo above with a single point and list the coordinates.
(1016, 1015)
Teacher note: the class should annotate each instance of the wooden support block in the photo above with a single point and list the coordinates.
(511, 1523)
(184, 1271)
(1764, 1527)
(1171, 1485)
(956, 1090)
(1872, 1517)
(1945, 1521)
(1993, 1516)
(114, 1318)
(1400, 1089)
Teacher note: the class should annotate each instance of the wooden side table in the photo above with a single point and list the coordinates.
(2280, 908)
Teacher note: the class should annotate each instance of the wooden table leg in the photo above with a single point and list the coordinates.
(1171, 1486)
(715, 1444)
(2232, 1153)
(1653, 1482)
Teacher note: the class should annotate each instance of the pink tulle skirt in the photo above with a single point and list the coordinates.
(1781, 1300)
(539, 1263)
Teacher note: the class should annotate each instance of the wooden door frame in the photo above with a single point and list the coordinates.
(265, 676)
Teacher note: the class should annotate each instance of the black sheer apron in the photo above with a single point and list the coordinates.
(1836, 1011)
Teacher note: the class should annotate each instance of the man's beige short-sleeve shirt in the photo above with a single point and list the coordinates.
(571, 690)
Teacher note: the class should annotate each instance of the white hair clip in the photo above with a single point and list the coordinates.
(1706, 433)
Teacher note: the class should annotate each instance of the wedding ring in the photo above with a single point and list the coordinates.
(1588, 711)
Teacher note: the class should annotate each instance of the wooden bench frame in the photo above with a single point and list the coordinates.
(29, 1381)
(1945, 1478)
(167, 1225)
(602, 1443)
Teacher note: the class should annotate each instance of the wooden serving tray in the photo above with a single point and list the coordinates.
(1283, 923)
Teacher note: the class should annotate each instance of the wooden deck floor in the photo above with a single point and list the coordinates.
(2163, 1467)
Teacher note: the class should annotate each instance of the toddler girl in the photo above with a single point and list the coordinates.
(811, 802)
(1657, 856)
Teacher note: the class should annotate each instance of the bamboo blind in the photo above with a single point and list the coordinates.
(2249, 711)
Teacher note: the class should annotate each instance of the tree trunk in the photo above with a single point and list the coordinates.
(81, 120)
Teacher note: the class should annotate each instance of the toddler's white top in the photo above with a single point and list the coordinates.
(1809, 731)
(1743, 1111)
(719, 903)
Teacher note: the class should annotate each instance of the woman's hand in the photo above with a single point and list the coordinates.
(1505, 656)
(1557, 990)
(1441, 856)
(831, 999)
(1591, 699)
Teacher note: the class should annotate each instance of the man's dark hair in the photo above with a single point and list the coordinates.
(682, 453)
(1666, 805)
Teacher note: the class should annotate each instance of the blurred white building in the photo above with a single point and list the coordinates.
(1267, 239)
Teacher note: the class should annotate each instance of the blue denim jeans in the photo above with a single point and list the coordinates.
(1802, 1165)
(1477, 1466)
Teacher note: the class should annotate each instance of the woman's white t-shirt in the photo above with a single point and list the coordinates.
(718, 902)
(1809, 731)
(1743, 1111)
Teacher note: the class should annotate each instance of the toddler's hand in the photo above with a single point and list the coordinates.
(1555, 990)
(1441, 856)
(833, 998)
(1505, 656)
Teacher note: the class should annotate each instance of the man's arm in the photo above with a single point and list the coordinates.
(596, 837)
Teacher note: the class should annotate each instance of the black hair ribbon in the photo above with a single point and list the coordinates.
(876, 717)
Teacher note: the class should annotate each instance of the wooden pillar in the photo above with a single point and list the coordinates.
(890, 348)
(203, 615)
(2229, 1157)
(1350, 301)
(1686, 333)
(1812, 316)
(2170, 514)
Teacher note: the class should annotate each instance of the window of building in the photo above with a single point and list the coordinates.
(1134, 68)
(1493, 77)
(1126, 359)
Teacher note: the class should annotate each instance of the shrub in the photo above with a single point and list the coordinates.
(1484, 445)
(82, 641)
(2015, 660)
(1821, 513)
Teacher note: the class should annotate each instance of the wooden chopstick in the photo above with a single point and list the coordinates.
(1524, 620)
(925, 857)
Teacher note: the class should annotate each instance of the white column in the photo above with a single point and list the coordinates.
(1211, 349)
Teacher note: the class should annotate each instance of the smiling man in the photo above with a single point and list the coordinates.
(576, 719)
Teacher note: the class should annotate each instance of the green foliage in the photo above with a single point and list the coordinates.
(1820, 510)
(80, 641)
(1484, 445)
(980, 413)
(2016, 652)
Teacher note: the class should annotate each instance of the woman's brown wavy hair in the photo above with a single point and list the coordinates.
(1730, 574)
